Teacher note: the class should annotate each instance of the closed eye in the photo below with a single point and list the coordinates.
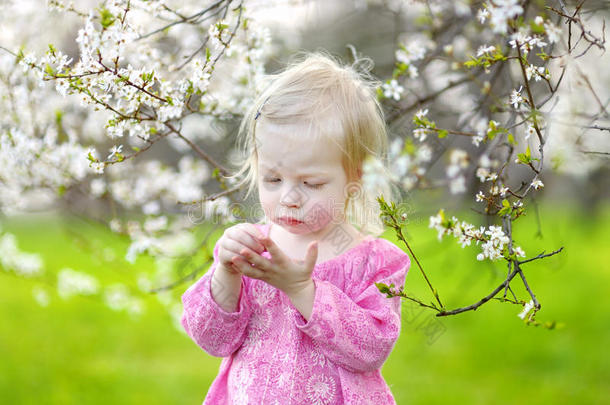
(315, 186)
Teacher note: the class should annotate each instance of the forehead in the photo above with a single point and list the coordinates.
(295, 148)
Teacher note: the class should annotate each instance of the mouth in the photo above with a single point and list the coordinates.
(289, 221)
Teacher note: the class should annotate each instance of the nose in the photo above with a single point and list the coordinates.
(291, 197)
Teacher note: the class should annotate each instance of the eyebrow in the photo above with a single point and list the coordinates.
(310, 174)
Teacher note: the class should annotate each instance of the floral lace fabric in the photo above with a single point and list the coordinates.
(272, 355)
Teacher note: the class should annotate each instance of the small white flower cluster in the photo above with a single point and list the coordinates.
(158, 237)
(493, 239)
(458, 162)
(118, 298)
(552, 32)
(515, 98)
(494, 245)
(499, 12)
(405, 168)
(220, 33)
(114, 150)
(526, 41)
(54, 60)
(409, 53)
(537, 184)
(133, 184)
(71, 282)
(483, 49)
(529, 131)
(201, 75)
(484, 172)
(538, 72)
(421, 133)
(526, 309)
(480, 127)
(21, 263)
(392, 89)
(374, 176)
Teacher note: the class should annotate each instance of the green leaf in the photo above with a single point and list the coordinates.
(409, 147)
(106, 17)
(49, 70)
(523, 158)
(472, 63)
(443, 133)
(58, 117)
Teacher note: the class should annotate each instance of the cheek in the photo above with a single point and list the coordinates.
(325, 207)
(266, 200)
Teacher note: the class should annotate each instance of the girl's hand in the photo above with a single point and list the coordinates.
(290, 276)
(238, 238)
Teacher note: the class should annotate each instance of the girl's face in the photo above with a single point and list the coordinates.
(301, 181)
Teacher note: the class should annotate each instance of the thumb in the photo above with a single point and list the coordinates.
(312, 254)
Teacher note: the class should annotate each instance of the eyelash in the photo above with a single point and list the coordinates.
(309, 185)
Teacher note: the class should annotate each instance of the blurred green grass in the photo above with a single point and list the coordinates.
(78, 351)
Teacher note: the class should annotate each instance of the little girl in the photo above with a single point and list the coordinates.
(291, 302)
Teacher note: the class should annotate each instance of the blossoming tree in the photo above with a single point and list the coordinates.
(138, 116)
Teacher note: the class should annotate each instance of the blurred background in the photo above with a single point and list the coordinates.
(90, 314)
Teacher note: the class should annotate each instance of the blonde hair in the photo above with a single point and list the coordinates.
(341, 103)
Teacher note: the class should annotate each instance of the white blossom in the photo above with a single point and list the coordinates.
(98, 187)
(421, 113)
(482, 173)
(483, 49)
(526, 309)
(482, 15)
(457, 185)
(529, 131)
(393, 90)
(552, 32)
(410, 52)
(501, 11)
(114, 151)
(13, 259)
(515, 98)
(420, 134)
(71, 282)
(537, 184)
(519, 252)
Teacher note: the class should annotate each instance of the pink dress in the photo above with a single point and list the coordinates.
(272, 355)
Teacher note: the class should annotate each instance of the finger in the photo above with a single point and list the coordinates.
(312, 254)
(259, 261)
(273, 249)
(245, 238)
(231, 248)
(254, 231)
(247, 269)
